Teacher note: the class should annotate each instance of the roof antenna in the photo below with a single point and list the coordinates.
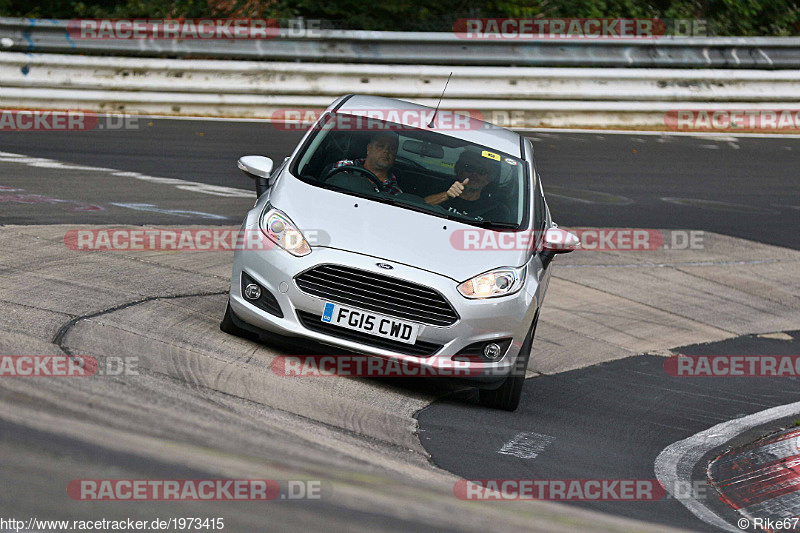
(430, 125)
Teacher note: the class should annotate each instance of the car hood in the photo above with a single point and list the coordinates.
(387, 232)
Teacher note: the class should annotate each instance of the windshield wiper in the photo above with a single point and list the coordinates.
(409, 205)
(483, 223)
(490, 224)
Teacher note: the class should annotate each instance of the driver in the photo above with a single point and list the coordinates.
(381, 152)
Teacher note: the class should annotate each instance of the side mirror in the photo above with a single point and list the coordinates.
(558, 241)
(258, 168)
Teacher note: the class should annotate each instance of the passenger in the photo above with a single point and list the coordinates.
(470, 192)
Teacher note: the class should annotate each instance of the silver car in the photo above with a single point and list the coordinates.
(401, 232)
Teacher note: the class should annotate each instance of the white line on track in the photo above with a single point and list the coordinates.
(675, 463)
(526, 445)
(174, 212)
(186, 185)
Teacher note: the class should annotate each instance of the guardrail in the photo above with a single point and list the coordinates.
(410, 48)
(517, 97)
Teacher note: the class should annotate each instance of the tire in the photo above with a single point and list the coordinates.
(507, 396)
(228, 326)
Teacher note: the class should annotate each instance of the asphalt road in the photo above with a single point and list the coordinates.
(39, 465)
(745, 187)
(608, 421)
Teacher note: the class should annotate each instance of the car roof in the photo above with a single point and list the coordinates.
(478, 131)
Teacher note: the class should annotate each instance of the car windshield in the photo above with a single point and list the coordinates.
(415, 169)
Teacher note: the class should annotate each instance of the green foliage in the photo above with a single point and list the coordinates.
(397, 15)
(724, 17)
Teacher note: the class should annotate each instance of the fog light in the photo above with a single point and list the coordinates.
(252, 291)
(492, 351)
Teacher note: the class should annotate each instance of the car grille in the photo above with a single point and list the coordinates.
(315, 323)
(378, 293)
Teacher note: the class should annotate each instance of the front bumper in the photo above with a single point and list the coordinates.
(479, 320)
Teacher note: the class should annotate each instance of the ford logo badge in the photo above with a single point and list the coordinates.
(385, 266)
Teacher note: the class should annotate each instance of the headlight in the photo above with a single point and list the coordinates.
(281, 230)
(500, 282)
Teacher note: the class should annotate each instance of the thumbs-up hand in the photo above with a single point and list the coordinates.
(456, 188)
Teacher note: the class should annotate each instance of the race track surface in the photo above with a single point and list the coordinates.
(203, 404)
(741, 186)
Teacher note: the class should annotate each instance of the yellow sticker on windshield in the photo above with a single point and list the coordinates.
(490, 155)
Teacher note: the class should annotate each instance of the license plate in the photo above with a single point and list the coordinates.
(372, 323)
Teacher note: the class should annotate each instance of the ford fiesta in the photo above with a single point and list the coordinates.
(401, 232)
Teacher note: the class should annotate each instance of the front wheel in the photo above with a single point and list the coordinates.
(507, 396)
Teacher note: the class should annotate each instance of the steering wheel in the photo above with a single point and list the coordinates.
(359, 170)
